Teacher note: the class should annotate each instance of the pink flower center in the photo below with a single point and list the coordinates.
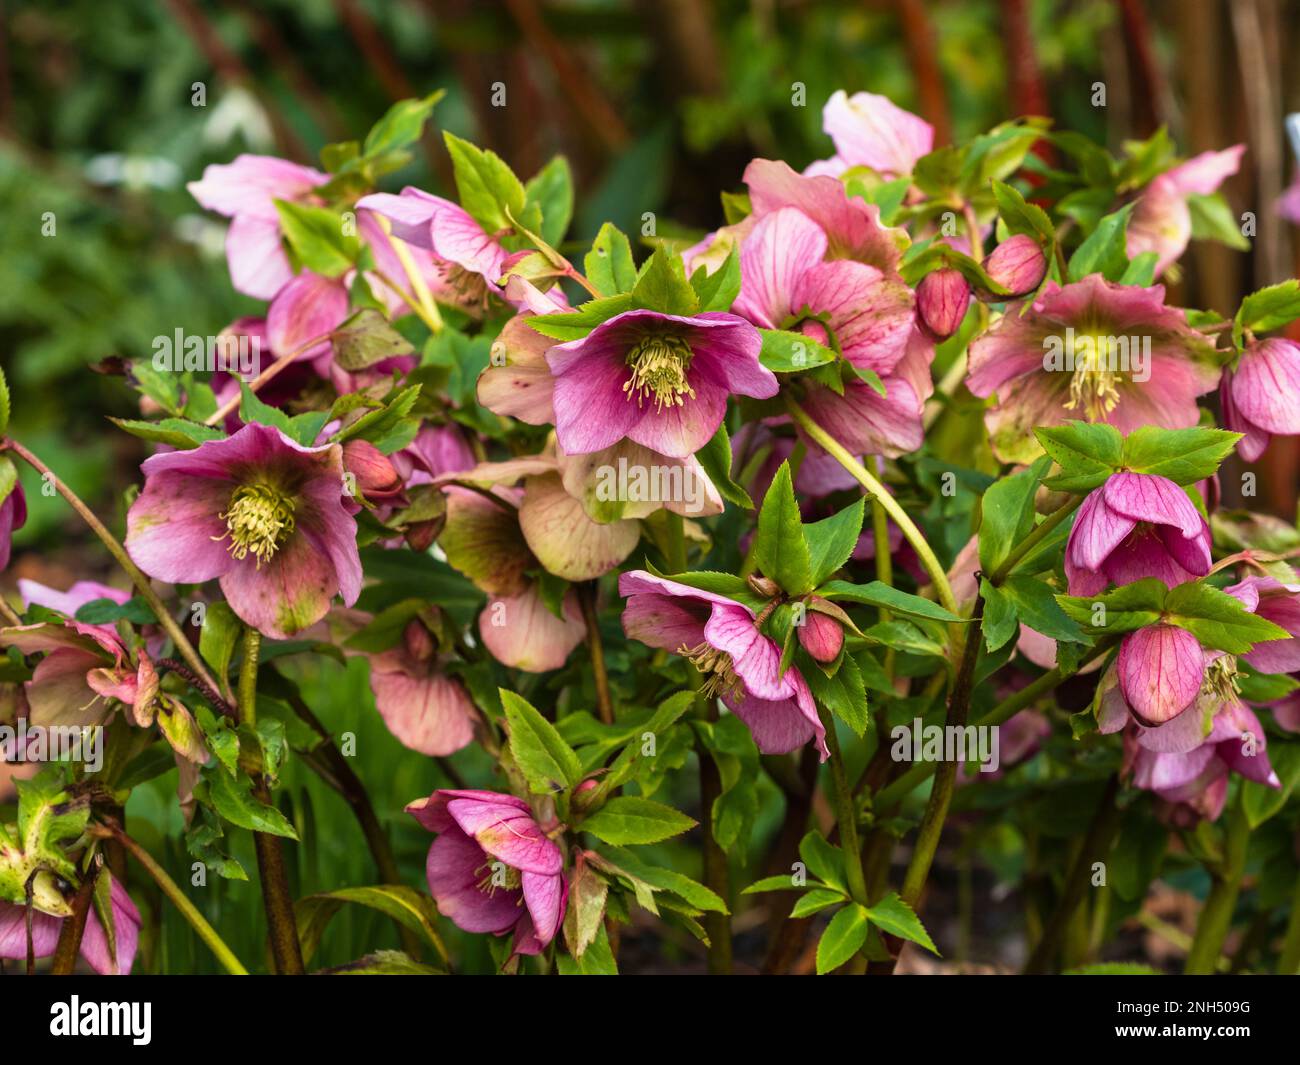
(259, 520)
(716, 667)
(659, 365)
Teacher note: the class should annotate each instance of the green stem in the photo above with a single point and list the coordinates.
(596, 646)
(1215, 921)
(936, 810)
(845, 813)
(717, 876)
(138, 578)
(898, 789)
(1039, 533)
(884, 566)
(1288, 964)
(286, 951)
(834, 448)
(177, 898)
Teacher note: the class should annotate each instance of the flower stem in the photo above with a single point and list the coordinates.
(138, 578)
(845, 813)
(219, 415)
(1037, 535)
(604, 701)
(74, 927)
(177, 898)
(716, 873)
(1213, 925)
(1288, 963)
(936, 810)
(286, 951)
(884, 566)
(878, 491)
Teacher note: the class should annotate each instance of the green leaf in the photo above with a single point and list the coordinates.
(585, 909)
(233, 799)
(1141, 271)
(824, 861)
(667, 880)
(319, 237)
(488, 188)
(842, 939)
(389, 428)
(1114, 968)
(844, 694)
(999, 623)
(108, 612)
(411, 909)
(894, 916)
(1184, 456)
(628, 819)
(662, 285)
(879, 594)
(1268, 309)
(1036, 606)
(179, 433)
(574, 325)
(787, 352)
(1021, 216)
(717, 291)
(382, 963)
(1212, 219)
(597, 960)
(1105, 251)
(780, 549)
(1087, 454)
(832, 540)
(814, 901)
(609, 264)
(1219, 620)
(1261, 801)
(551, 189)
(1007, 514)
(401, 125)
(546, 761)
(715, 457)
(4, 403)
(365, 338)
(1129, 607)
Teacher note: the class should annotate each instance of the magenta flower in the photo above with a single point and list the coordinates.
(1261, 397)
(492, 868)
(942, 298)
(260, 512)
(94, 942)
(1136, 525)
(872, 131)
(660, 380)
(1162, 221)
(13, 515)
(471, 260)
(740, 665)
(1017, 264)
(1064, 359)
(245, 191)
(1279, 603)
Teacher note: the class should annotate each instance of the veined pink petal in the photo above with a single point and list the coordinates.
(1161, 668)
(755, 658)
(871, 130)
(285, 594)
(428, 712)
(307, 307)
(255, 255)
(455, 868)
(126, 932)
(781, 247)
(1266, 386)
(521, 632)
(1098, 530)
(545, 898)
(410, 214)
(250, 185)
(508, 833)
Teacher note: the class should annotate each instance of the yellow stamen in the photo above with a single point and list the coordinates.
(499, 875)
(259, 519)
(1094, 388)
(659, 365)
(717, 669)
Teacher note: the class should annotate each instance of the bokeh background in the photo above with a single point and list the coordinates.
(658, 104)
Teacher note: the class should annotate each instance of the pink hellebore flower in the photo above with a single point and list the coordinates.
(1094, 350)
(659, 380)
(13, 515)
(1279, 603)
(1017, 264)
(245, 191)
(872, 131)
(741, 665)
(1162, 221)
(260, 512)
(492, 868)
(1288, 204)
(1136, 525)
(1261, 397)
(94, 942)
(424, 708)
(471, 259)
